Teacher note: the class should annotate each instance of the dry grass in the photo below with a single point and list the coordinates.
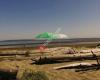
(53, 74)
(63, 74)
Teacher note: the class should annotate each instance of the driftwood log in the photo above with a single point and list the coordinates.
(8, 74)
(66, 58)
(80, 66)
(74, 65)
(11, 54)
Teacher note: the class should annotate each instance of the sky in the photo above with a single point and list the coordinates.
(23, 19)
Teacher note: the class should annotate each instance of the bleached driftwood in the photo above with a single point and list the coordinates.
(96, 50)
(72, 65)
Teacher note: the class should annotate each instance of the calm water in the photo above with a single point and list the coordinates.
(30, 41)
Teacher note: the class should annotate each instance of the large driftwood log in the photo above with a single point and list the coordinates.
(8, 73)
(62, 58)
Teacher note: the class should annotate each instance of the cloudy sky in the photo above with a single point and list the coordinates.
(22, 19)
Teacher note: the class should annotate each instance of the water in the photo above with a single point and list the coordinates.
(30, 41)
